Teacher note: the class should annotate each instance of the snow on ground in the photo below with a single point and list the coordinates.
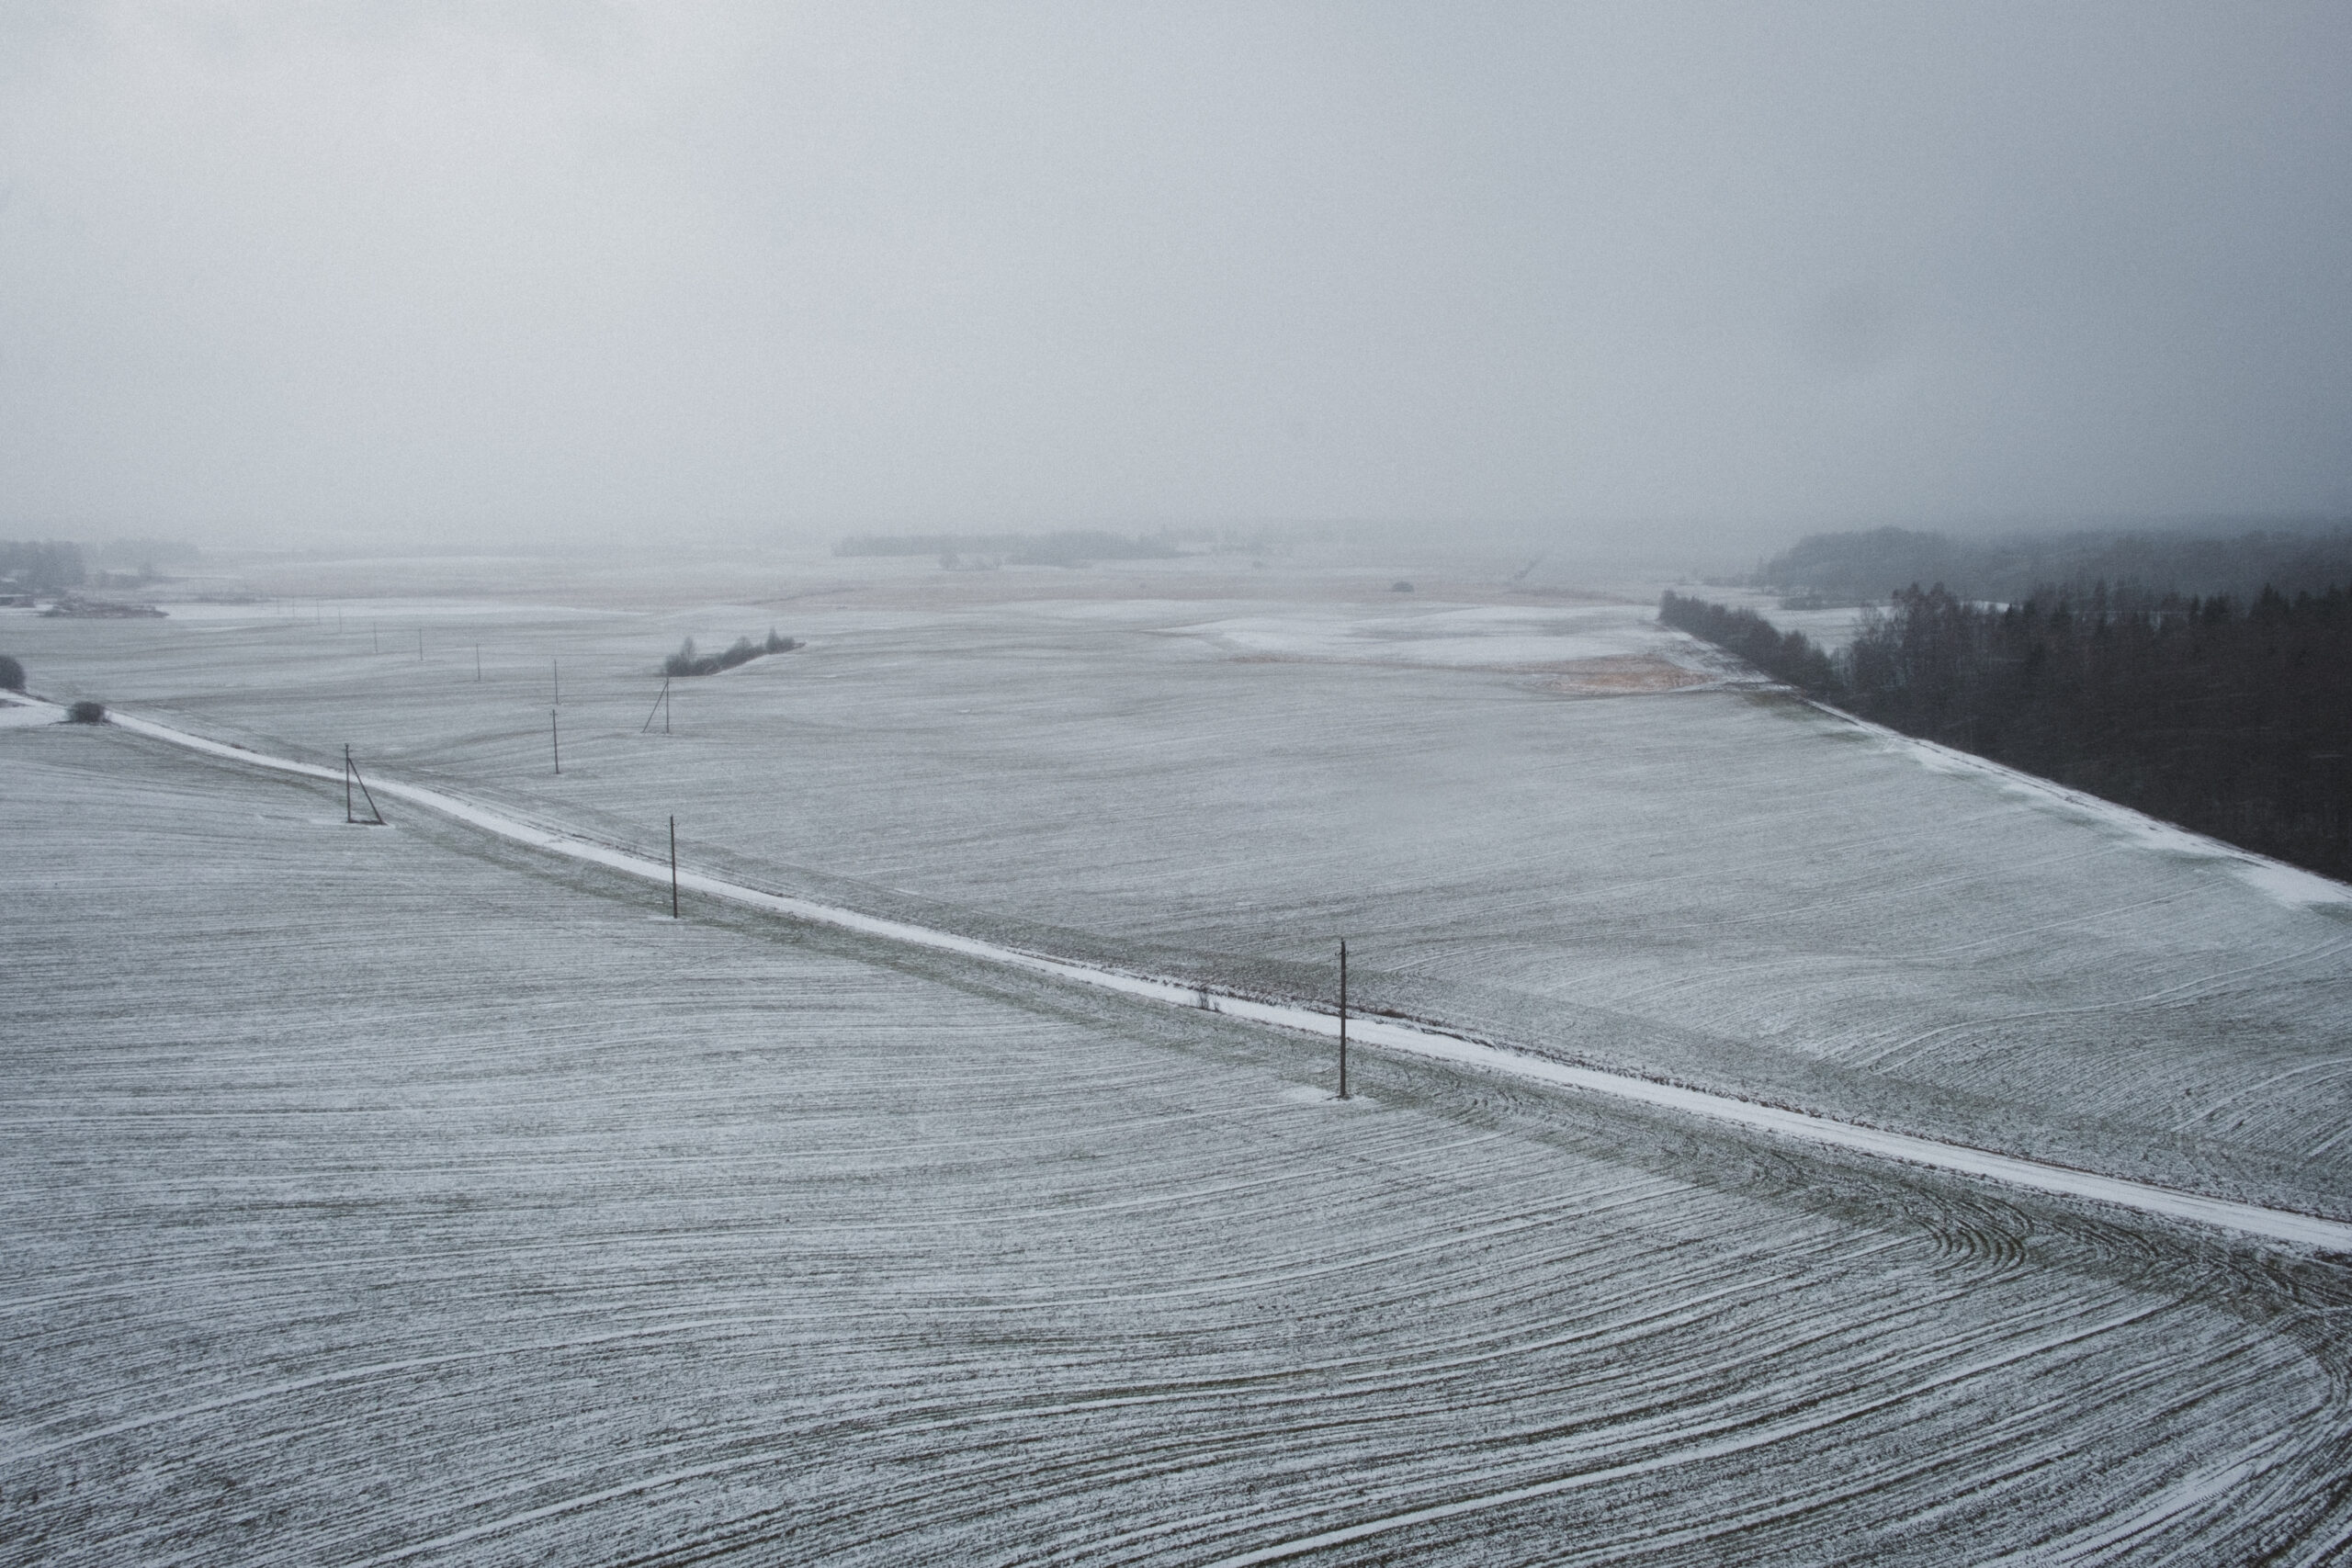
(1434, 1043)
(2288, 883)
(377, 1197)
(1725, 889)
(15, 714)
(1484, 636)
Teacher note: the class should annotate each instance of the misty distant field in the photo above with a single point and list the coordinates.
(1702, 882)
(378, 1196)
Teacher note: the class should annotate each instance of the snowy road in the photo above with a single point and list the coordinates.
(2270, 1224)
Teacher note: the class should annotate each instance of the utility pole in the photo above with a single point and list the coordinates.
(1343, 1020)
(673, 868)
(555, 742)
(661, 706)
(351, 776)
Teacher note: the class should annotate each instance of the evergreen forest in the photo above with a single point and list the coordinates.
(2229, 716)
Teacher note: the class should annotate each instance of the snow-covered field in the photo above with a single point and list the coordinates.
(1424, 1039)
(385, 1195)
(1713, 886)
(390, 1195)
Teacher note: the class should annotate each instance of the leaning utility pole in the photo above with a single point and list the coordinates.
(661, 706)
(351, 776)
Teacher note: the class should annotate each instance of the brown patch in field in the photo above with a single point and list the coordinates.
(1629, 675)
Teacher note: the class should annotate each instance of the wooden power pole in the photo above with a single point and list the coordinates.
(1343, 1020)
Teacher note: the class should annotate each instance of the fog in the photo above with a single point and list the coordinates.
(431, 274)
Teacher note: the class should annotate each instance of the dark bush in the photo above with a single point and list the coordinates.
(86, 712)
(685, 661)
(11, 674)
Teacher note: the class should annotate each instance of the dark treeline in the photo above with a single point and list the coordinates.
(1868, 567)
(686, 661)
(40, 566)
(1785, 656)
(2233, 717)
(2230, 716)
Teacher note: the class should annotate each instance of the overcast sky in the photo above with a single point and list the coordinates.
(453, 271)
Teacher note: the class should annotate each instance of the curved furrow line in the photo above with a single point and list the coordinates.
(1711, 1445)
(1664, 1427)
(2174, 995)
(1542, 1266)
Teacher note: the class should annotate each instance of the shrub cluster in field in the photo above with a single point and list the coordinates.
(2230, 717)
(685, 661)
(11, 674)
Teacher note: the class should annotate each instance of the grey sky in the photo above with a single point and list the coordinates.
(451, 271)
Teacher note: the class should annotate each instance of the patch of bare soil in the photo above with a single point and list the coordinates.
(1623, 675)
